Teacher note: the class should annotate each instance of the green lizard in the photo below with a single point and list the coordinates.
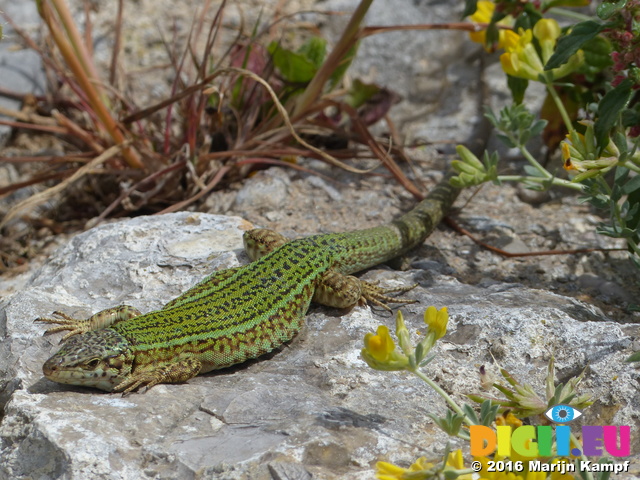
(237, 314)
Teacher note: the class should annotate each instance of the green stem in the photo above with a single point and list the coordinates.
(466, 471)
(570, 14)
(454, 406)
(556, 99)
(534, 162)
(558, 182)
(631, 165)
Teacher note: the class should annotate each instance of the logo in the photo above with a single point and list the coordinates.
(538, 441)
(562, 414)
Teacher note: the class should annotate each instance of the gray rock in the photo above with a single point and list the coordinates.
(311, 408)
(268, 191)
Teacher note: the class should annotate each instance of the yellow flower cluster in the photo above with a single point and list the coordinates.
(521, 57)
(381, 353)
(421, 469)
(579, 153)
(483, 14)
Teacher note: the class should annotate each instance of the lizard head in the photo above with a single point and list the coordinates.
(99, 359)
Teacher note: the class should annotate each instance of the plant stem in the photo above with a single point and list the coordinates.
(570, 14)
(533, 161)
(632, 166)
(556, 99)
(454, 406)
(81, 65)
(558, 182)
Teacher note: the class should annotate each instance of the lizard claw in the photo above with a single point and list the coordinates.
(65, 322)
(378, 296)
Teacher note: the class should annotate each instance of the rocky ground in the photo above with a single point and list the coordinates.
(315, 408)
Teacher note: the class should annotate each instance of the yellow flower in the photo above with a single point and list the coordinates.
(508, 419)
(521, 59)
(456, 462)
(436, 320)
(483, 14)
(547, 31)
(380, 351)
(403, 335)
(579, 154)
(380, 345)
(421, 469)
(389, 471)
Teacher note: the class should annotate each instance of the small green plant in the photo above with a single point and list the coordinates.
(517, 401)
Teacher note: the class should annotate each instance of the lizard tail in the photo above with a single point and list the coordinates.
(417, 224)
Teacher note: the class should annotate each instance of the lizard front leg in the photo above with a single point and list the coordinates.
(175, 372)
(260, 241)
(102, 319)
(335, 289)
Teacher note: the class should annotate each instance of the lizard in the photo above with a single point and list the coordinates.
(240, 313)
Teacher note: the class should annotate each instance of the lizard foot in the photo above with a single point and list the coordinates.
(76, 326)
(344, 291)
(65, 322)
(172, 373)
(378, 296)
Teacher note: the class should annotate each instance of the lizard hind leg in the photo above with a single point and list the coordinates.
(344, 291)
(260, 241)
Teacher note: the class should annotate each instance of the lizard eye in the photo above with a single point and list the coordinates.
(93, 363)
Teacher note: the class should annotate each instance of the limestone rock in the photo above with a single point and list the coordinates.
(312, 408)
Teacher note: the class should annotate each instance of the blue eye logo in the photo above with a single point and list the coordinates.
(562, 413)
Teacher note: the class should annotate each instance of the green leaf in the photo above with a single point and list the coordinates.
(632, 185)
(470, 7)
(419, 353)
(294, 67)
(518, 87)
(492, 34)
(597, 55)
(314, 50)
(470, 413)
(528, 18)
(343, 66)
(506, 140)
(607, 10)
(620, 141)
(571, 43)
(532, 171)
(537, 128)
(630, 118)
(360, 92)
(451, 474)
(634, 358)
(610, 110)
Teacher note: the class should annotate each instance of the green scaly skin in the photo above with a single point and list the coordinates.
(237, 314)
